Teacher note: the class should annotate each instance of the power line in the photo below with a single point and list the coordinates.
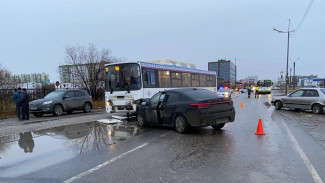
(305, 15)
(281, 23)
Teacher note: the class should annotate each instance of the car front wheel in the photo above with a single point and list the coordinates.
(57, 110)
(180, 124)
(141, 120)
(278, 105)
(87, 107)
(317, 109)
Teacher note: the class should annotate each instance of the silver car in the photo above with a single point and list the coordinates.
(305, 99)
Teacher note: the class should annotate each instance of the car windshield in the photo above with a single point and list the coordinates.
(55, 94)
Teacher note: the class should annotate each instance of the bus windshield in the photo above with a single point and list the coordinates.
(264, 83)
(123, 77)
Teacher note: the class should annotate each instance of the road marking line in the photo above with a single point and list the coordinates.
(303, 155)
(72, 179)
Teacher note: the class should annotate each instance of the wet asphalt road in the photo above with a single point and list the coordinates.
(293, 150)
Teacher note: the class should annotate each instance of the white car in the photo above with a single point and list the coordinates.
(226, 93)
(243, 90)
(302, 99)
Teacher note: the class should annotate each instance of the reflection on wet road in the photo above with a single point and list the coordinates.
(30, 151)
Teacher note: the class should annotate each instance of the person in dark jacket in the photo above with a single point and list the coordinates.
(17, 99)
(249, 89)
(25, 103)
(26, 142)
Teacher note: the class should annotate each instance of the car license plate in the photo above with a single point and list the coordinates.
(33, 108)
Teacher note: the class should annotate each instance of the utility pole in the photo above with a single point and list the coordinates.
(294, 73)
(235, 74)
(290, 77)
(288, 32)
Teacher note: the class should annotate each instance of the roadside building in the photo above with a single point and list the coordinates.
(74, 76)
(226, 72)
(307, 81)
(30, 81)
(251, 80)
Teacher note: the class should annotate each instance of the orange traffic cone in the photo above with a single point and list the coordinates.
(242, 105)
(259, 130)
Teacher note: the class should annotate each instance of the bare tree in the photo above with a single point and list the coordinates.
(5, 78)
(87, 66)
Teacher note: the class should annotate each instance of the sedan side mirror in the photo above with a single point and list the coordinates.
(65, 97)
(144, 103)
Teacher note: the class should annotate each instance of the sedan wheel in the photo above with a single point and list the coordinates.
(87, 107)
(317, 109)
(141, 121)
(278, 105)
(180, 123)
(58, 110)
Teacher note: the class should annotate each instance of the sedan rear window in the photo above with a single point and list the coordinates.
(201, 94)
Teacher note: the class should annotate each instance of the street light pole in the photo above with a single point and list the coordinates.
(288, 32)
(287, 58)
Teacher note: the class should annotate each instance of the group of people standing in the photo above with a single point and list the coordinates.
(21, 99)
(249, 89)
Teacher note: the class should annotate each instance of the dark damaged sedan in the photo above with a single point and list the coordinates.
(186, 107)
(58, 102)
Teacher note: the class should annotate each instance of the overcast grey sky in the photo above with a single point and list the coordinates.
(34, 33)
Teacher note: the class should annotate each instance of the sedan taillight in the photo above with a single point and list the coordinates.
(201, 105)
(207, 105)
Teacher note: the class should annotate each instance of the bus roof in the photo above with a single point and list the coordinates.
(167, 67)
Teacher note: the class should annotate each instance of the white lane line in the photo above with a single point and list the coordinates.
(303, 155)
(103, 164)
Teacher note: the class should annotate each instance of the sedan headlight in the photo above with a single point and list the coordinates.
(47, 102)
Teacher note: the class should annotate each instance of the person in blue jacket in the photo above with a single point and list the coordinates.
(17, 99)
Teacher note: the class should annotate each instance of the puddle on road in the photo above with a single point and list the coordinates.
(27, 152)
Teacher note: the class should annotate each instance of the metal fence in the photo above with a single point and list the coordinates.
(6, 94)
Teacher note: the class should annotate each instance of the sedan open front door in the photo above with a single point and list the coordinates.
(153, 113)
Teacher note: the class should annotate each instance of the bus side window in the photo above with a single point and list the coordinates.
(149, 78)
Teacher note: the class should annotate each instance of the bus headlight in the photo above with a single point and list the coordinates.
(109, 103)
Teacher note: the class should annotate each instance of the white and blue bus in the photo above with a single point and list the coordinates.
(128, 83)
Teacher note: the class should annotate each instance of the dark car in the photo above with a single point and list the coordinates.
(58, 102)
(186, 107)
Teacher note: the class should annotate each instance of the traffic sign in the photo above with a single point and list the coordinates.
(57, 83)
